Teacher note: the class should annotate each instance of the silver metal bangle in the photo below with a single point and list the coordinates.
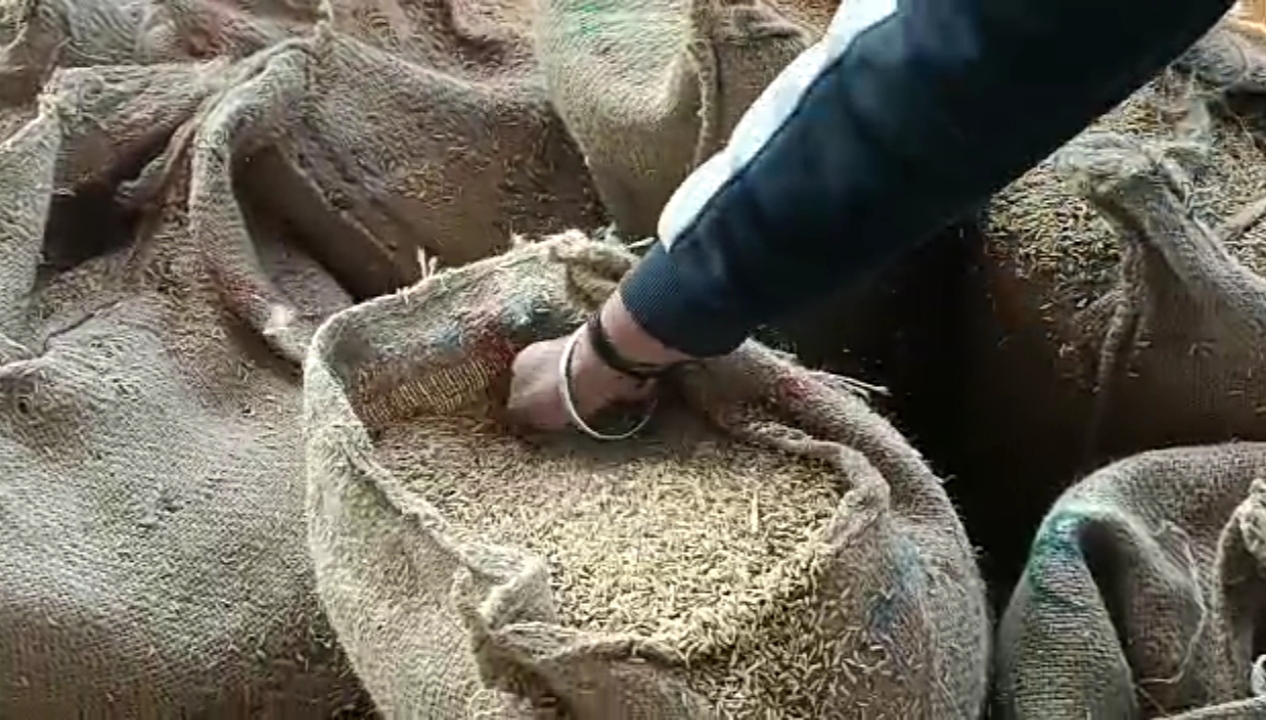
(564, 389)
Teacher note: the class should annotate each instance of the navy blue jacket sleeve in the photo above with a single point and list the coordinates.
(907, 114)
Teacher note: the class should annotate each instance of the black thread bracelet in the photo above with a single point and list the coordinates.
(612, 358)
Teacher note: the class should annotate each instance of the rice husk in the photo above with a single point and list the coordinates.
(1122, 303)
(627, 549)
(767, 547)
(1053, 239)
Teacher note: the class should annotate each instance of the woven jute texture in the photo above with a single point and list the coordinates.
(1145, 593)
(152, 491)
(1137, 248)
(653, 578)
(652, 88)
(379, 128)
(191, 187)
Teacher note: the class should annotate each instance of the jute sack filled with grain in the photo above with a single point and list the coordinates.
(202, 29)
(391, 126)
(1136, 250)
(76, 33)
(652, 88)
(151, 459)
(38, 35)
(1145, 593)
(769, 547)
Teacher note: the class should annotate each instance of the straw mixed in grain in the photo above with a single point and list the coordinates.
(723, 543)
(769, 547)
(634, 548)
(1055, 237)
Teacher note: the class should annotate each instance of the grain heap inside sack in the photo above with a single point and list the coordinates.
(1145, 594)
(769, 548)
(1054, 235)
(755, 518)
(1125, 308)
(1139, 242)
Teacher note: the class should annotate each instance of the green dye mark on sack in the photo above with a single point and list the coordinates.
(1056, 549)
(597, 18)
(898, 601)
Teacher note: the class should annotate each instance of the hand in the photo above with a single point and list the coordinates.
(536, 395)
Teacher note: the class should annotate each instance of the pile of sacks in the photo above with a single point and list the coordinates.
(246, 477)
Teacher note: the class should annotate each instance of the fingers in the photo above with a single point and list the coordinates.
(536, 399)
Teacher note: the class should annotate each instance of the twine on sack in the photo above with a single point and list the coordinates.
(1202, 621)
(702, 55)
(1132, 183)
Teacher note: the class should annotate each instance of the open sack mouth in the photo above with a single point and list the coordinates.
(264, 268)
(686, 570)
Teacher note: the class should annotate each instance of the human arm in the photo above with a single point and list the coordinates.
(905, 114)
(909, 114)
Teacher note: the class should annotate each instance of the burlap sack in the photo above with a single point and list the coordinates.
(768, 548)
(397, 126)
(37, 36)
(80, 32)
(652, 88)
(1158, 311)
(202, 29)
(1145, 593)
(1105, 320)
(812, 15)
(150, 454)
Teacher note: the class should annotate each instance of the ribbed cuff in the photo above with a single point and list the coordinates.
(680, 309)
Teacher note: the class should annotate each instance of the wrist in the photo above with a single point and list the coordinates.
(587, 384)
(595, 382)
(631, 341)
